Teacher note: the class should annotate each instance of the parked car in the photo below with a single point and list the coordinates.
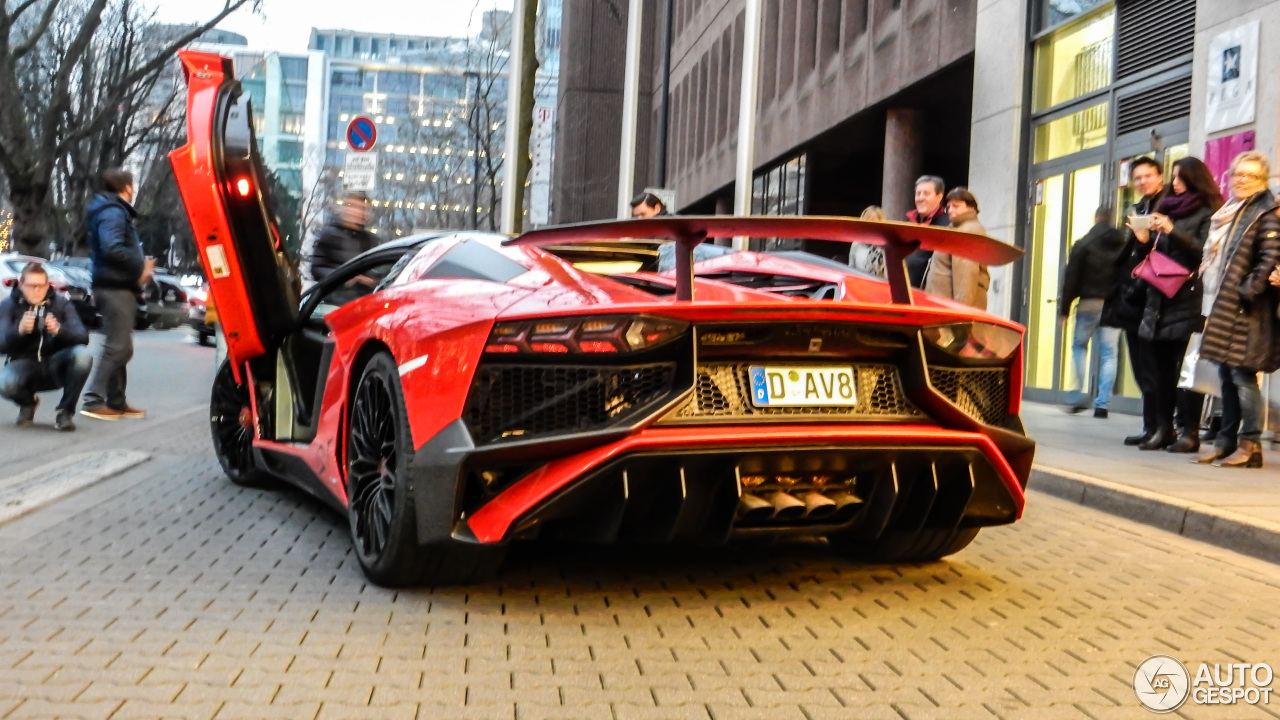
(473, 391)
(166, 301)
(80, 290)
(197, 309)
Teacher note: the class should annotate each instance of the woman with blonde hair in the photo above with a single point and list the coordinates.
(1242, 251)
(868, 258)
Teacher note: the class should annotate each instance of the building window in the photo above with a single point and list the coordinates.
(1074, 61)
(1055, 12)
(397, 83)
(289, 152)
(294, 98)
(780, 191)
(319, 42)
(292, 123)
(293, 68)
(1078, 131)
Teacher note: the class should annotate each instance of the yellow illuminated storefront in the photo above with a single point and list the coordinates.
(1085, 126)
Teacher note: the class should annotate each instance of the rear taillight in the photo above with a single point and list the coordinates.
(586, 335)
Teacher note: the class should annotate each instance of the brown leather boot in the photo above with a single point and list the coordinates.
(1247, 455)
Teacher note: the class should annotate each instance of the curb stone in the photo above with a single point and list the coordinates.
(35, 488)
(1215, 526)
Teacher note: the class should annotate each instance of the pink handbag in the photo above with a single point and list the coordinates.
(1162, 273)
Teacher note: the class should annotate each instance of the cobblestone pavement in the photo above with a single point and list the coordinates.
(184, 596)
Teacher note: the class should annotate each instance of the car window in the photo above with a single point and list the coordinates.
(470, 260)
(363, 283)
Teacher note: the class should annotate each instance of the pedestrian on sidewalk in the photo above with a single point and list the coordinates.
(929, 211)
(1240, 335)
(647, 205)
(1125, 307)
(864, 257)
(954, 277)
(1091, 277)
(120, 269)
(46, 345)
(1178, 228)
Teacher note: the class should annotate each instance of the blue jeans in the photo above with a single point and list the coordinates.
(119, 310)
(1241, 407)
(1107, 342)
(68, 369)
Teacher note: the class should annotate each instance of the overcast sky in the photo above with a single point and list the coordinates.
(286, 24)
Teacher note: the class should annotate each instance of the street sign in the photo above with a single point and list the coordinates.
(362, 133)
(360, 172)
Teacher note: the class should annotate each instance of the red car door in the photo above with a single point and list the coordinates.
(220, 175)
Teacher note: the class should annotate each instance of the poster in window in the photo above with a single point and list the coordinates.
(1232, 78)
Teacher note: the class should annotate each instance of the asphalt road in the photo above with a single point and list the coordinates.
(168, 592)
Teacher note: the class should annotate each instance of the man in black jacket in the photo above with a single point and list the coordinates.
(1128, 300)
(343, 238)
(47, 346)
(120, 269)
(930, 191)
(1091, 276)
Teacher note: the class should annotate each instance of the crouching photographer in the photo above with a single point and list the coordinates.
(46, 345)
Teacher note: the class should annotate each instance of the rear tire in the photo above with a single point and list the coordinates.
(231, 425)
(924, 545)
(381, 505)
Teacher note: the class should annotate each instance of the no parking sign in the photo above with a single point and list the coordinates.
(362, 133)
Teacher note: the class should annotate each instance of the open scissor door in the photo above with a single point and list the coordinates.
(223, 185)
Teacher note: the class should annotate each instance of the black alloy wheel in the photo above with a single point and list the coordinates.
(373, 462)
(381, 506)
(231, 425)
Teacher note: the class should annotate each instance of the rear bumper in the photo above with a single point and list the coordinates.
(682, 483)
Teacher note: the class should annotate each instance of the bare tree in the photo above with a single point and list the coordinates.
(71, 70)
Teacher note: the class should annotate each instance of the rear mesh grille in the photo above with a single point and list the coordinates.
(520, 401)
(982, 393)
(723, 391)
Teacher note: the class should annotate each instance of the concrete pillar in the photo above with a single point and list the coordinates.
(903, 160)
(995, 156)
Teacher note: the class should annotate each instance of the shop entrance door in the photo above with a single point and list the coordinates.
(1066, 199)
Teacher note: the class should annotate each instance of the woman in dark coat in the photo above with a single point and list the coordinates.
(1240, 334)
(1178, 229)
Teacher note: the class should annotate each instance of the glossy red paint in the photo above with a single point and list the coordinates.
(491, 522)
(194, 170)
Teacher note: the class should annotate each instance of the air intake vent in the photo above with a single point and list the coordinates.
(1156, 105)
(1153, 32)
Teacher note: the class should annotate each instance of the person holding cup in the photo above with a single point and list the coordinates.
(1125, 306)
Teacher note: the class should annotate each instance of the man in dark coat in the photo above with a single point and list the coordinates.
(1128, 300)
(120, 269)
(46, 345)
(343, 238)
(1091, 277)
(1240, 333)
(930, 191)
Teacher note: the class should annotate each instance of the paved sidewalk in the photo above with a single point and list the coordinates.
(1085, 460)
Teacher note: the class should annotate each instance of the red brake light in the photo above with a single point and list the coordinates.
(10, 282)
(597, 346)
(501, 348)
(244, 187)
(546, 347)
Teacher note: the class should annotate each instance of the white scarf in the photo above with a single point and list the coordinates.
(1214, 259)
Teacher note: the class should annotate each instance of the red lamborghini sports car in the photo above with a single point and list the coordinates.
(491, 389)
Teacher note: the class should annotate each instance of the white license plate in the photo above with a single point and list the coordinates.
(812, 386)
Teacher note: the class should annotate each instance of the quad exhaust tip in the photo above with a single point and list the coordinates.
(785, 507)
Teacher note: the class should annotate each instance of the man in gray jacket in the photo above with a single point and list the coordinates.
(119, 271)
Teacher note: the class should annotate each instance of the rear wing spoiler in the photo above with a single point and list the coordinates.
(898, 239)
